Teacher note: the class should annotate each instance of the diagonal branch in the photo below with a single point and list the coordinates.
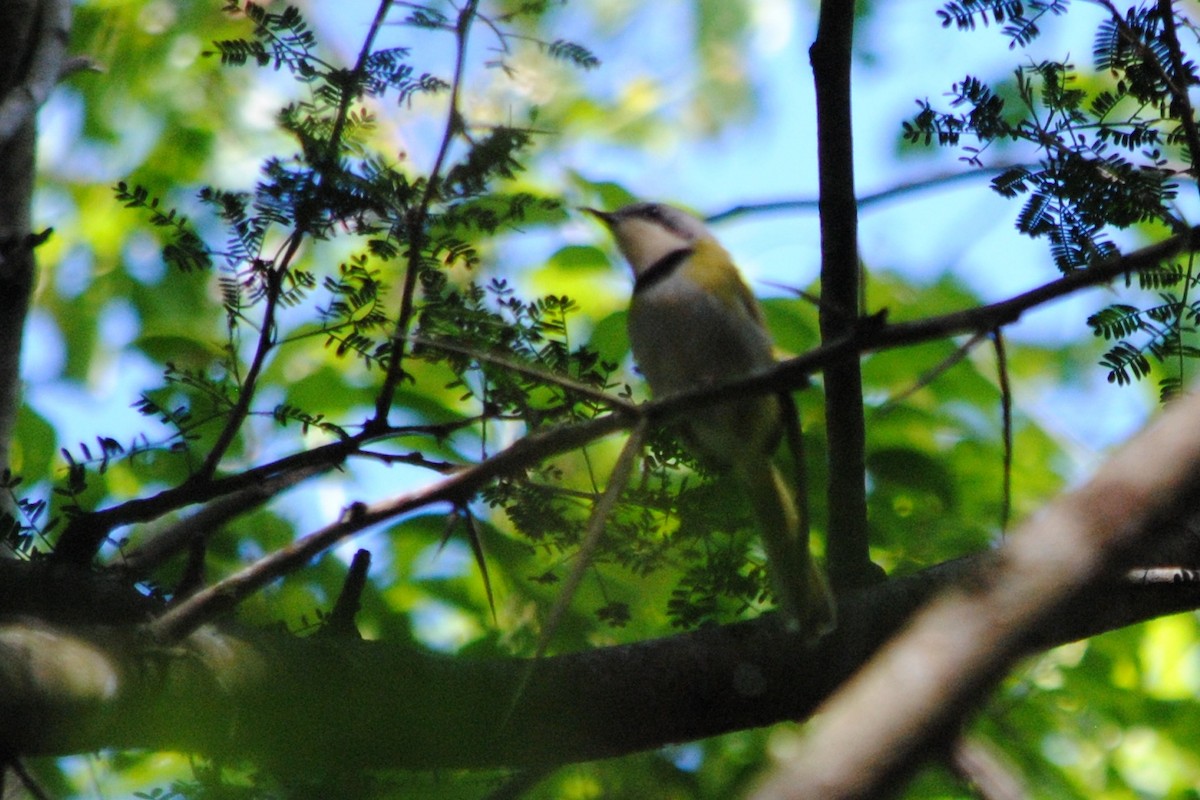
(922, 686)
(457, 489)
(138, 563)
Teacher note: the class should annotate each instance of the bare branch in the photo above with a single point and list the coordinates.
(985, 771)
(139, 562)
(457, 489)
(618, 480)
(864, 201)
(547, 377)
(1006, 426)
(846, 548)
(85, 534)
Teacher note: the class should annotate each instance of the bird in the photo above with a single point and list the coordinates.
(693, 323)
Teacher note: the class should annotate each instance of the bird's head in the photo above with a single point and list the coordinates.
(645, 232)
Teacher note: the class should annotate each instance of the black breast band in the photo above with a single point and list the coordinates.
(661, 269)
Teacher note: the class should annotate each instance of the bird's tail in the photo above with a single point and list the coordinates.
(800, 586)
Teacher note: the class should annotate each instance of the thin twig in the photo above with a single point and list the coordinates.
(1006, 422)
(618, 479)
(1181, 103)
(931, 375)
(419, 216)
(266, 334)
(85, 534)
(864, 201)
(360, 68)
(551, 378)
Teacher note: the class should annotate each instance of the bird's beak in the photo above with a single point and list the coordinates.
(603, 216)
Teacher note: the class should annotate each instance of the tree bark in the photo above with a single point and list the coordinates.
(18, 19)
(30, 63)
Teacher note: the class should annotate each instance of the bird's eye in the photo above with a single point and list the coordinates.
(652, 213)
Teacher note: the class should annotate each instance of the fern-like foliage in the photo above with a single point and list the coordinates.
(574, 53)
(23, 526)
(510, 359)
(1018, 19)
(184, 248)
(1108, 157)
(1163, 332)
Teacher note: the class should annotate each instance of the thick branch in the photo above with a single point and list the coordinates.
(339, 703)
(33, 60)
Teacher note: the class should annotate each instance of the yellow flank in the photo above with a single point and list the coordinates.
(712, 268)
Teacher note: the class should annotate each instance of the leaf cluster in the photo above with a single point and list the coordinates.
(418, 236)
(1163, 331)
(1018, 18)
(1107, 156)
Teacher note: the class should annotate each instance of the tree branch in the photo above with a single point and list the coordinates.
(457, 489)
(846, 549)
(34, 61)
(328, 703)
(415, 232)
(138, 563)
(864, 201)
(85, 533)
